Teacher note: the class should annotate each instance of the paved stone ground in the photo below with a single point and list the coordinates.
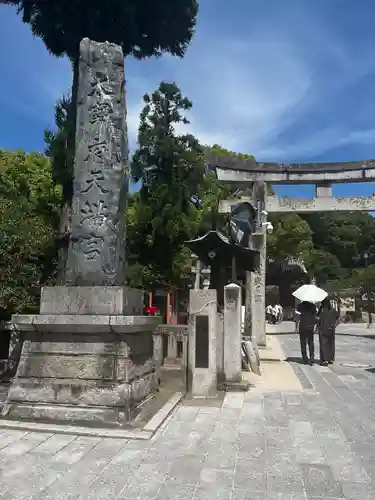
(312, 445)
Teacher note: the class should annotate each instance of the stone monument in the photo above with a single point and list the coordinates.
(89, 355)
(256, 282)
(232, 333)
(202, 357)
(96, 253)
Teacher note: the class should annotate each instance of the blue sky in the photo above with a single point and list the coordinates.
(289, 80)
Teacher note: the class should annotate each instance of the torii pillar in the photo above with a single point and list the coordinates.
(255, 298)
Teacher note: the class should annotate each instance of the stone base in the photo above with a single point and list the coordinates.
(82, 300)
(81, 368)
(242, 386)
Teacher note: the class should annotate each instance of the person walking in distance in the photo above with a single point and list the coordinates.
(327, 319)
(307, 322)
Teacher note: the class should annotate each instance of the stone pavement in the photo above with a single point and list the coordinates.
(311, 445)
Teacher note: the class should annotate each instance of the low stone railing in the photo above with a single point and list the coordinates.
(175, 342)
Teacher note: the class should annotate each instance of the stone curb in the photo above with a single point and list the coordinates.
(142, 434)
(153, 425)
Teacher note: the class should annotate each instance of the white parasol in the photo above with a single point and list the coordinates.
(310, 293)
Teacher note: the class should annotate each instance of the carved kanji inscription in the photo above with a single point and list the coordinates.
(97, 243)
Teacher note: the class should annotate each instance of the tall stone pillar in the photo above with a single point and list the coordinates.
(89, 356)
(258, 293)
(255, 300)
(96, 255)
(232, 333)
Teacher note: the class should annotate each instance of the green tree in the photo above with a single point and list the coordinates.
(57, 146)
(346, 235)
(61, 155)
(208, 215)
(218, 150)
(323, 266)
(28, 221)
(291, 237)
(171, 169)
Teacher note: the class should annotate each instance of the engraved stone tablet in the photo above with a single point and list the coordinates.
(96, 254)
(201, 341)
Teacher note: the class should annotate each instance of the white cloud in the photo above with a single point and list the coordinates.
(248, 86)
(241, 92)
(364, 136)
(247, 90)
(320, 142)
(317, 142)
(132, 121)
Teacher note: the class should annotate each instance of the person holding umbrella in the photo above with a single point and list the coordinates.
(306, 327)
(309, 295)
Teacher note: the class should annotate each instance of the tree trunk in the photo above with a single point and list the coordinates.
(66, 206)
(72, 136)
(65, 229)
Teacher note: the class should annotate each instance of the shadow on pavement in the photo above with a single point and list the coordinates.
(365, 336)
(295, 360)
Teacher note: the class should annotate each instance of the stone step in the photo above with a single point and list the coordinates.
(242, 386)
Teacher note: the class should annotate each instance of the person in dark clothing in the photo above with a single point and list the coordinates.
(306, 328)
(327, 319)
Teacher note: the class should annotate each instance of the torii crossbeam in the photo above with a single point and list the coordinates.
(240, 171)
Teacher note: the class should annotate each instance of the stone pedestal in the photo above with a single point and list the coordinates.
(202, 357)
(232, 333)
(88, 357)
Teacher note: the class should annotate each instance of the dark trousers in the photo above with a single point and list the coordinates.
(306, 338)
(327, 345)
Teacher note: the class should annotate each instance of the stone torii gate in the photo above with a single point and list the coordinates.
(246, 173)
